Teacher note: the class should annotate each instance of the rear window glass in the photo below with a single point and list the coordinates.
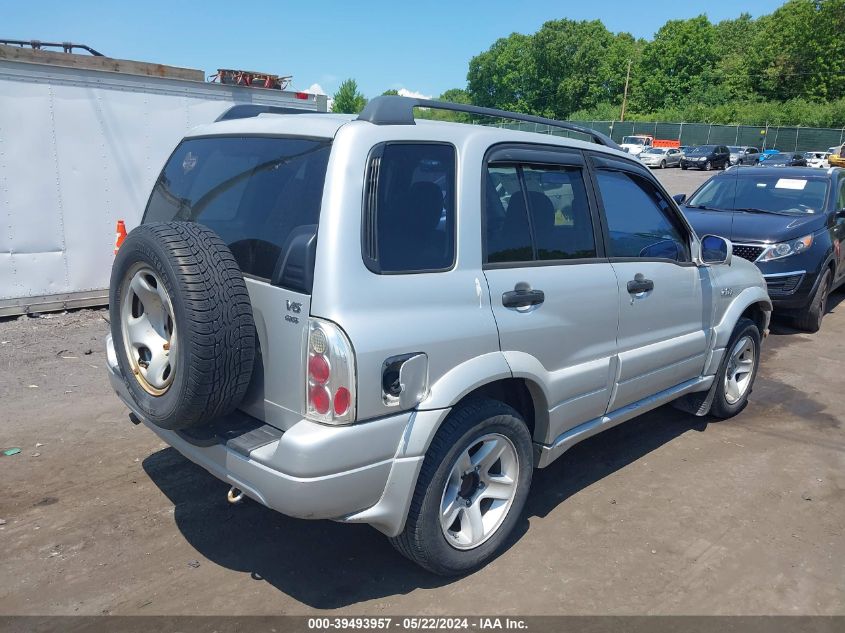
(409, 210)
(256, 193)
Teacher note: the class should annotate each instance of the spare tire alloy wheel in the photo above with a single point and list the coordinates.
(181, 324)
(148, 328)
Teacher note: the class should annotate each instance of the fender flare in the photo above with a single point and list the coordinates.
(750, 296)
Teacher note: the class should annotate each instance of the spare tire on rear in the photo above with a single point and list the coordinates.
(181, 323)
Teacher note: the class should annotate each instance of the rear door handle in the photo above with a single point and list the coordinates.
(522, 296)
(639, 285)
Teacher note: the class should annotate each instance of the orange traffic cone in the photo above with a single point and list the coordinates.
(120, 235)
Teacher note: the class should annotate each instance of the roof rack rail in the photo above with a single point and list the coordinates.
(248, 110)
(393, 110)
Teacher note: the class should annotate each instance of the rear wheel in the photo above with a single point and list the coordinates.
(811, 319)
(738, 370)
(471, 489)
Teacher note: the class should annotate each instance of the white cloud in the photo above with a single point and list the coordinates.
(315, 89)
(404, 92)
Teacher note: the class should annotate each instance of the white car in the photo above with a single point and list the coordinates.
(661, 157)
(817, 159)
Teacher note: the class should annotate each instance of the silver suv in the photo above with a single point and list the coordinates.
(393, 321)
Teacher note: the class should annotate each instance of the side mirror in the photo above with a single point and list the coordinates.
(716, 250)
(679, 197)
(840, 217)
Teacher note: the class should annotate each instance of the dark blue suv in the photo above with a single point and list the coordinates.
(789, 221)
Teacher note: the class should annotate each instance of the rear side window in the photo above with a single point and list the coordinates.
(537, 213)
(257, 193)
(409, 208)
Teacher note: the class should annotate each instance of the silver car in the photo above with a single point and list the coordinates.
(744, 155)
(379, 320)
(661, 157)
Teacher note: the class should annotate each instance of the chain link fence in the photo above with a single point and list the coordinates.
(785, 138)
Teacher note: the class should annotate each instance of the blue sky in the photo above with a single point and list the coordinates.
(423, 47)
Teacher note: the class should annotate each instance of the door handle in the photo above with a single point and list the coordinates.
(640, 284)
(522, 296)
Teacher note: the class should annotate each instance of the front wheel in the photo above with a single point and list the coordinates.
(811, 319)
(738, 370)
(662, 164)
(707, 166)
(683, 167)
(471, 489)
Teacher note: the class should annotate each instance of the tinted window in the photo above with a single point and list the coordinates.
(409, 223)
(253, 192)
(638, 218)
(537, 213)
(769, 192)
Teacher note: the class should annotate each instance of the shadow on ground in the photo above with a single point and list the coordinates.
(329, 565)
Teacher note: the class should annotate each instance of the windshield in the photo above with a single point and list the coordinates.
(702, 149)
(734, 149)
(762, 192)
(254, 192)
(776, 157)
(633, 140)
(655, 150)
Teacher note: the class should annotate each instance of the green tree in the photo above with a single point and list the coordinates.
(732, 73)
(676, 64)
(502, 77)
(799, 51)
(347, 98)
(578, 65)
(391, 92)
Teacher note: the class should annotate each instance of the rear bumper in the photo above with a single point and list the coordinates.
(312, 471)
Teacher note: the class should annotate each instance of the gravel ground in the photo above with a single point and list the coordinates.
(666, 514)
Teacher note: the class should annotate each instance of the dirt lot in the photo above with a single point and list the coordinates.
(665, 514)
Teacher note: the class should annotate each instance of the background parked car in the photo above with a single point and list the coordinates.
(744, 155)
(837, 156)
(817, 159)
(786, 159)
(661, 157)
(789, 221)
(707, 157)
(684, 149)
(768, 153)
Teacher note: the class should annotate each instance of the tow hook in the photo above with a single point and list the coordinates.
(235, 495)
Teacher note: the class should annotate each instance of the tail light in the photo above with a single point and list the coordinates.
(330, 374)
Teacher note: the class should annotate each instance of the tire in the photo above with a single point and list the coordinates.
(424, 540)
(707, 166)
(728, 402)
(181, 323)
(683, 167)
(810, 320)
(662, 164)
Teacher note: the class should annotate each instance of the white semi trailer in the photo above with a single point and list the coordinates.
(82, 139)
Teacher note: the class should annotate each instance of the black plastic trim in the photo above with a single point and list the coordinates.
(394, 110)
